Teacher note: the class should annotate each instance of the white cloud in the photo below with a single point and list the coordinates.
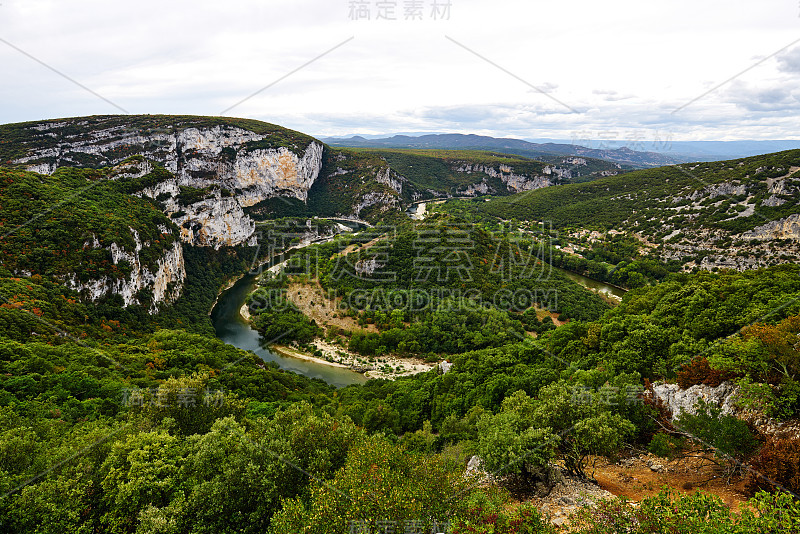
(773, 98)
(789, 61)
(623, 65)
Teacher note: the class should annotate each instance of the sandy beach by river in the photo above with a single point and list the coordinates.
(387, 366)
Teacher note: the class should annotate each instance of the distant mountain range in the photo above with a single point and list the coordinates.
(692, 150)
(639, 153)
(621, 155)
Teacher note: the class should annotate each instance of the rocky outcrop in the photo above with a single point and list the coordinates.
(773, 201)
(725, 396)
(728, 189)
(476, 471)
(385, 200)
(132, 169)
(222, 158)
(556, 171)
(678, 400)
(390, 178)
(568, 495)
(787, 228)
(214, 222)
(367, 267)
(738, 263)
(556, 494)
(472, 190)
(513, 181)
(164, 280)
(263, 174)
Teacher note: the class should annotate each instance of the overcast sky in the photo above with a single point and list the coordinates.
(638, 70)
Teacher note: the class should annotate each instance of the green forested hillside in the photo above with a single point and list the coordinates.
(434, 169)
(134, 419)
(433, 289)
(730, 214)
(222, 426)
(65, 224)
(438, 170)
(655, 201)
(653, 334)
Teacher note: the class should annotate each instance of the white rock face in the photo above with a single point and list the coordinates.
(481, 188)
(390, 178)
(677, 399)
(215, 222)
(168, 188)
(724, 395)
(171, 270)
(132, 169)
(788, 228)
(773, 201)
(728, 189)
(42, 168)
(166, 282)
(367, 267)
(262, 174)
(732, 262)
(561, 173)
(373, 199)
(477, 471)
(514, 182)
(217, 157)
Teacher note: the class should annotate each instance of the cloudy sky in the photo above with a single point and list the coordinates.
(573, 69)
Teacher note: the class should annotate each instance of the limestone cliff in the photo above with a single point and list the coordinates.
(515, 182)
(164, 279)
(244, 165)
(786, 228)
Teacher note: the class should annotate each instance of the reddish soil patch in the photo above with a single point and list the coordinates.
(635, 480)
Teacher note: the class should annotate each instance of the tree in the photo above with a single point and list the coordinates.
(141, 470)
(729, 436)
(509, 443)
(380, 484)
(585, 421)
(238, 478)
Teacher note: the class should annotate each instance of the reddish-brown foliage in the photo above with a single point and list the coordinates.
(777, 463)
(698, 371)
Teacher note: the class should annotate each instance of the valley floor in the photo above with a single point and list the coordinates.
(385, 367)
(310, 299)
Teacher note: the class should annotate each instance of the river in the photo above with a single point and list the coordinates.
(601, 287)
(233, 329)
